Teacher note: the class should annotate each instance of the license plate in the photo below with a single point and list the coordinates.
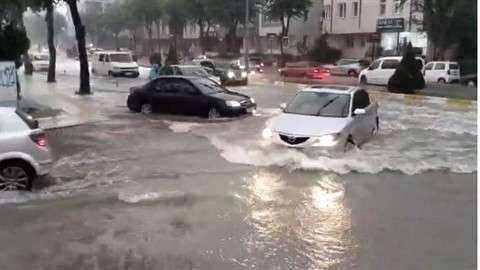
(128, 73)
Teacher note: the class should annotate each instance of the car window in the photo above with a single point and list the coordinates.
(208, 87)
(390, 64)
(101, 58)
(184, 87)
(107, 58)
(440, 66)
(361, 100)
(453, 66)
(121, 57)
(157, 85)
(319, 104)
(429, 66)
(375, 64)
(207, 64)
(194, 71)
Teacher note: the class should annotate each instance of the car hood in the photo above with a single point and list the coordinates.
(230, 96)
(125, 65)
(307, 125)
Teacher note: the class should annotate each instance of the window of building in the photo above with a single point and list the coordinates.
(326, 11)
(383, 7)
(397, 7)
(363, 42)
(355, 9)
(342, 10)
(349, 41)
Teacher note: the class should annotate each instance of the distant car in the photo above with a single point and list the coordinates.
(348, 67)
(258, 63)
(40, 61)
(24, 150)
(194, 71)
(305, 70)
(114, 63)
(188, 96)
(442, 72)
(229, 73)
(200, 58)
(380, 71)
(328, 117)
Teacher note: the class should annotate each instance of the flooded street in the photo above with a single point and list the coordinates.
(168, 192)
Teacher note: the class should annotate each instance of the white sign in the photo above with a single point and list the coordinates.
(8, 81)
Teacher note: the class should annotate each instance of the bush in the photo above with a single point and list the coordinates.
(322, 52)
(156, 58)
(408, 76)
(172, 58)
(14, 43)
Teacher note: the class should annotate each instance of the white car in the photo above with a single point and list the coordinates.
(347, 67)
(329, 117)
(442, 72)
(380, 71)
(24, 150)
(40, 61)
(114, 63)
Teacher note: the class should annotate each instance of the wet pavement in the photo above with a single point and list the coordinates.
(169, 192)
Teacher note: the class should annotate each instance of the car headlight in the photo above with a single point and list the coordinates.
(244, 74)
(233, 103)
(252, 100)
(231, 75)
(267, 133)
(327, 140)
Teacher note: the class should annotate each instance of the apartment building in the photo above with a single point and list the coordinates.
(350, 24)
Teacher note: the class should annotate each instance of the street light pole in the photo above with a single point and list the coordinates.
(245, 38)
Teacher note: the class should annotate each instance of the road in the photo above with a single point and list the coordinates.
(169, 192)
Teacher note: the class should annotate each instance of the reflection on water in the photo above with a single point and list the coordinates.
(306, 226)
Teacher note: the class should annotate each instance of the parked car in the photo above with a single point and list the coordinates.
(24, 150)
(40, 61)
(469, 80)
(305, 70)
(113, 63)
(380, 71)
(442, 72)
(188, 96)
(328, 117)
(348, 67)
(194, 71)
(229, 73)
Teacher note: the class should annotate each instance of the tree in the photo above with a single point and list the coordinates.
(285, 11)
(82, 50)
(199, 13)
(176, 17)
(322, 52)
(115, 20)
(14, 42)
(408, 76)
(172, 58)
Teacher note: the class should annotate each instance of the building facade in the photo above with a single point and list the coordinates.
(350, 25)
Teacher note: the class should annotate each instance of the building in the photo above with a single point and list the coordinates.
(302, 32)
(350, 25)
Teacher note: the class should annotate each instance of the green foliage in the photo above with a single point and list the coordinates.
(285, 10)
(172, 58)
(322, 52)
(14, 43)
(408, 76)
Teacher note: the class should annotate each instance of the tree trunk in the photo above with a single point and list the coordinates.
(82, 51)
(150, 40)
(202, 36)
(159, 44)
(282, 60)
(51, 43)
(117, 43)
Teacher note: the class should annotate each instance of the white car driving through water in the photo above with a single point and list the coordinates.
(330, 117)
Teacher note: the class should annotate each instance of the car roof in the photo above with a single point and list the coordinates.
(337, 89)
(445, 62)
(113, 52)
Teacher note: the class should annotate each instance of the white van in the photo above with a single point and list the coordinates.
(380, 71)
(40, 61)
(442, 72)
(113, 63)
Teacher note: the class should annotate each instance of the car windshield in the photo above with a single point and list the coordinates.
(208, 87)
(320, 104)
(121, 58)
(194, 71)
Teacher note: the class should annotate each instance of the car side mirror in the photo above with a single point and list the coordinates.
(283, 106)
(359, 111)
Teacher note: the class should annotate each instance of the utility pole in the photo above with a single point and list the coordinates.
(245, 38)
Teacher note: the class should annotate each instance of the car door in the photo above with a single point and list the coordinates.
(439, 72)
(373, 72)
(186, 98)
(107, 65)
(386, 70)
(429, 73)
(158, 99)
(99, 68)
(363, 124)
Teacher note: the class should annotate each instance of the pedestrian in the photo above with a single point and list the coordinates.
(155, 71)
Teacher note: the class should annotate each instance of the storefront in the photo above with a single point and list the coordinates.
(394, 37)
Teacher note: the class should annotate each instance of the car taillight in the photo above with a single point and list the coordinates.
(316, 70)
(39, 138)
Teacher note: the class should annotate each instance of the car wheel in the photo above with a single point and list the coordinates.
(442, 80)
(146, 108)
(349, 143)
(213, 113)
(16, 175)
(363, 80)
(471, 83)
(352, 73)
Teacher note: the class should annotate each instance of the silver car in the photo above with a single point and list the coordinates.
(24, 150)
(332, 117)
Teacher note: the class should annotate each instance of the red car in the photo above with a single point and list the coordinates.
(305, 70)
